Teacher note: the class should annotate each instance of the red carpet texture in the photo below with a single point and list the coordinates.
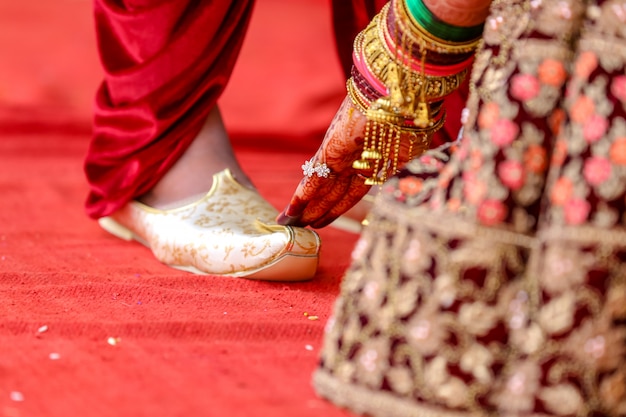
(94, 326)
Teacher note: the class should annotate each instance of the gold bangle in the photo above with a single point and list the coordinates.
(377, 59)
(362, 104)
(399, 115)
(359, 101)
(408, 53)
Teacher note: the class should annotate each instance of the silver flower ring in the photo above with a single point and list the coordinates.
(321, 170)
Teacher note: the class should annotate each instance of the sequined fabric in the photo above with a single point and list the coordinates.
(491, 279)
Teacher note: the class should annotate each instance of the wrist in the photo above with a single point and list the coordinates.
(464, 13)
(423, 17)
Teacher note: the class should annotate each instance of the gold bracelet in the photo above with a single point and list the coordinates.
(411, 106)
(408, 53)
(384, 135)
(377, 59)
(363, 105)
(359, 101)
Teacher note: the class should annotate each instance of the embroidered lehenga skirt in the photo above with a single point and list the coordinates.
(491, 279)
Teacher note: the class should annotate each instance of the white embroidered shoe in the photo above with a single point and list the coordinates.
(230, 231)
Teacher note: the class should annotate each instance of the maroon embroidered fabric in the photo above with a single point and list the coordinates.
(490, 280)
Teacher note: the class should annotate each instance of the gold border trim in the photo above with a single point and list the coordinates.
(447, 225)
(363, 400)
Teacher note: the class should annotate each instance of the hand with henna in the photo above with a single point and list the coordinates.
(318, 199)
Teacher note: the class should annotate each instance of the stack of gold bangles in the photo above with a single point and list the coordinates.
(405, 63)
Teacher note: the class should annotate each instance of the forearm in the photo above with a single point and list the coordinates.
(464, 13)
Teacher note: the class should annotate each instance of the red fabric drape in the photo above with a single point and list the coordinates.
(349, 18)
(166, 64)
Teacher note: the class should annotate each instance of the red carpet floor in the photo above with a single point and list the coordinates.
(94, 326)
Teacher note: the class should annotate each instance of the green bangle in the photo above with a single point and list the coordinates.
(442, 30)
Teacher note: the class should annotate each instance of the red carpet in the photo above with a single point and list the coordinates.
(184, 345)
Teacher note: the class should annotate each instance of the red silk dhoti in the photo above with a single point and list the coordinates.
(166, 63)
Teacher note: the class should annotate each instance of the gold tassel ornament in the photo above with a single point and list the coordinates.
(410, 111)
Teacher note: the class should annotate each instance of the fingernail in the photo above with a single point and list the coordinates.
(285, 220)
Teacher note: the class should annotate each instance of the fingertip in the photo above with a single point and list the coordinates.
(285, 220)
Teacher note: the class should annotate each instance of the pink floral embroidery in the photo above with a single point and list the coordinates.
(504, 132)
(476, 159)
(388, 189)
(576, 211)
(469, 176)
(489, 114)
(618, 87)
(552, 72)
(492, 212)
(435, 204)
(428, 160)
(524, 87)
(536, 159)
(410, 185)
(511, 174)
(582, 109)
(617, 154)
(597, 170)
(595, 128)
(454, 204)
(359, 249)
(473, 190)
(586, 63)
(561, 191)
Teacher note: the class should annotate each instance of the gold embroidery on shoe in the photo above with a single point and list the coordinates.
(229, 231)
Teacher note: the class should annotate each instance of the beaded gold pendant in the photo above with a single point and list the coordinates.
(400, 124)
(387, 119)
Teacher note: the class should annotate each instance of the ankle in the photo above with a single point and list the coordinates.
(192, 175)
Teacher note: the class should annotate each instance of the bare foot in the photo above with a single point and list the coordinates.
(192, 175)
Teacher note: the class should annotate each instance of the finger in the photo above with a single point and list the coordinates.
(342, 145)
(326, 198)
(315, 195)
(305, 191)
(307, 194)
(355, 192)
(286, 220)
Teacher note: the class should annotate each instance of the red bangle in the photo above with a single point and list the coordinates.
(361, 66)
(429, 68)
